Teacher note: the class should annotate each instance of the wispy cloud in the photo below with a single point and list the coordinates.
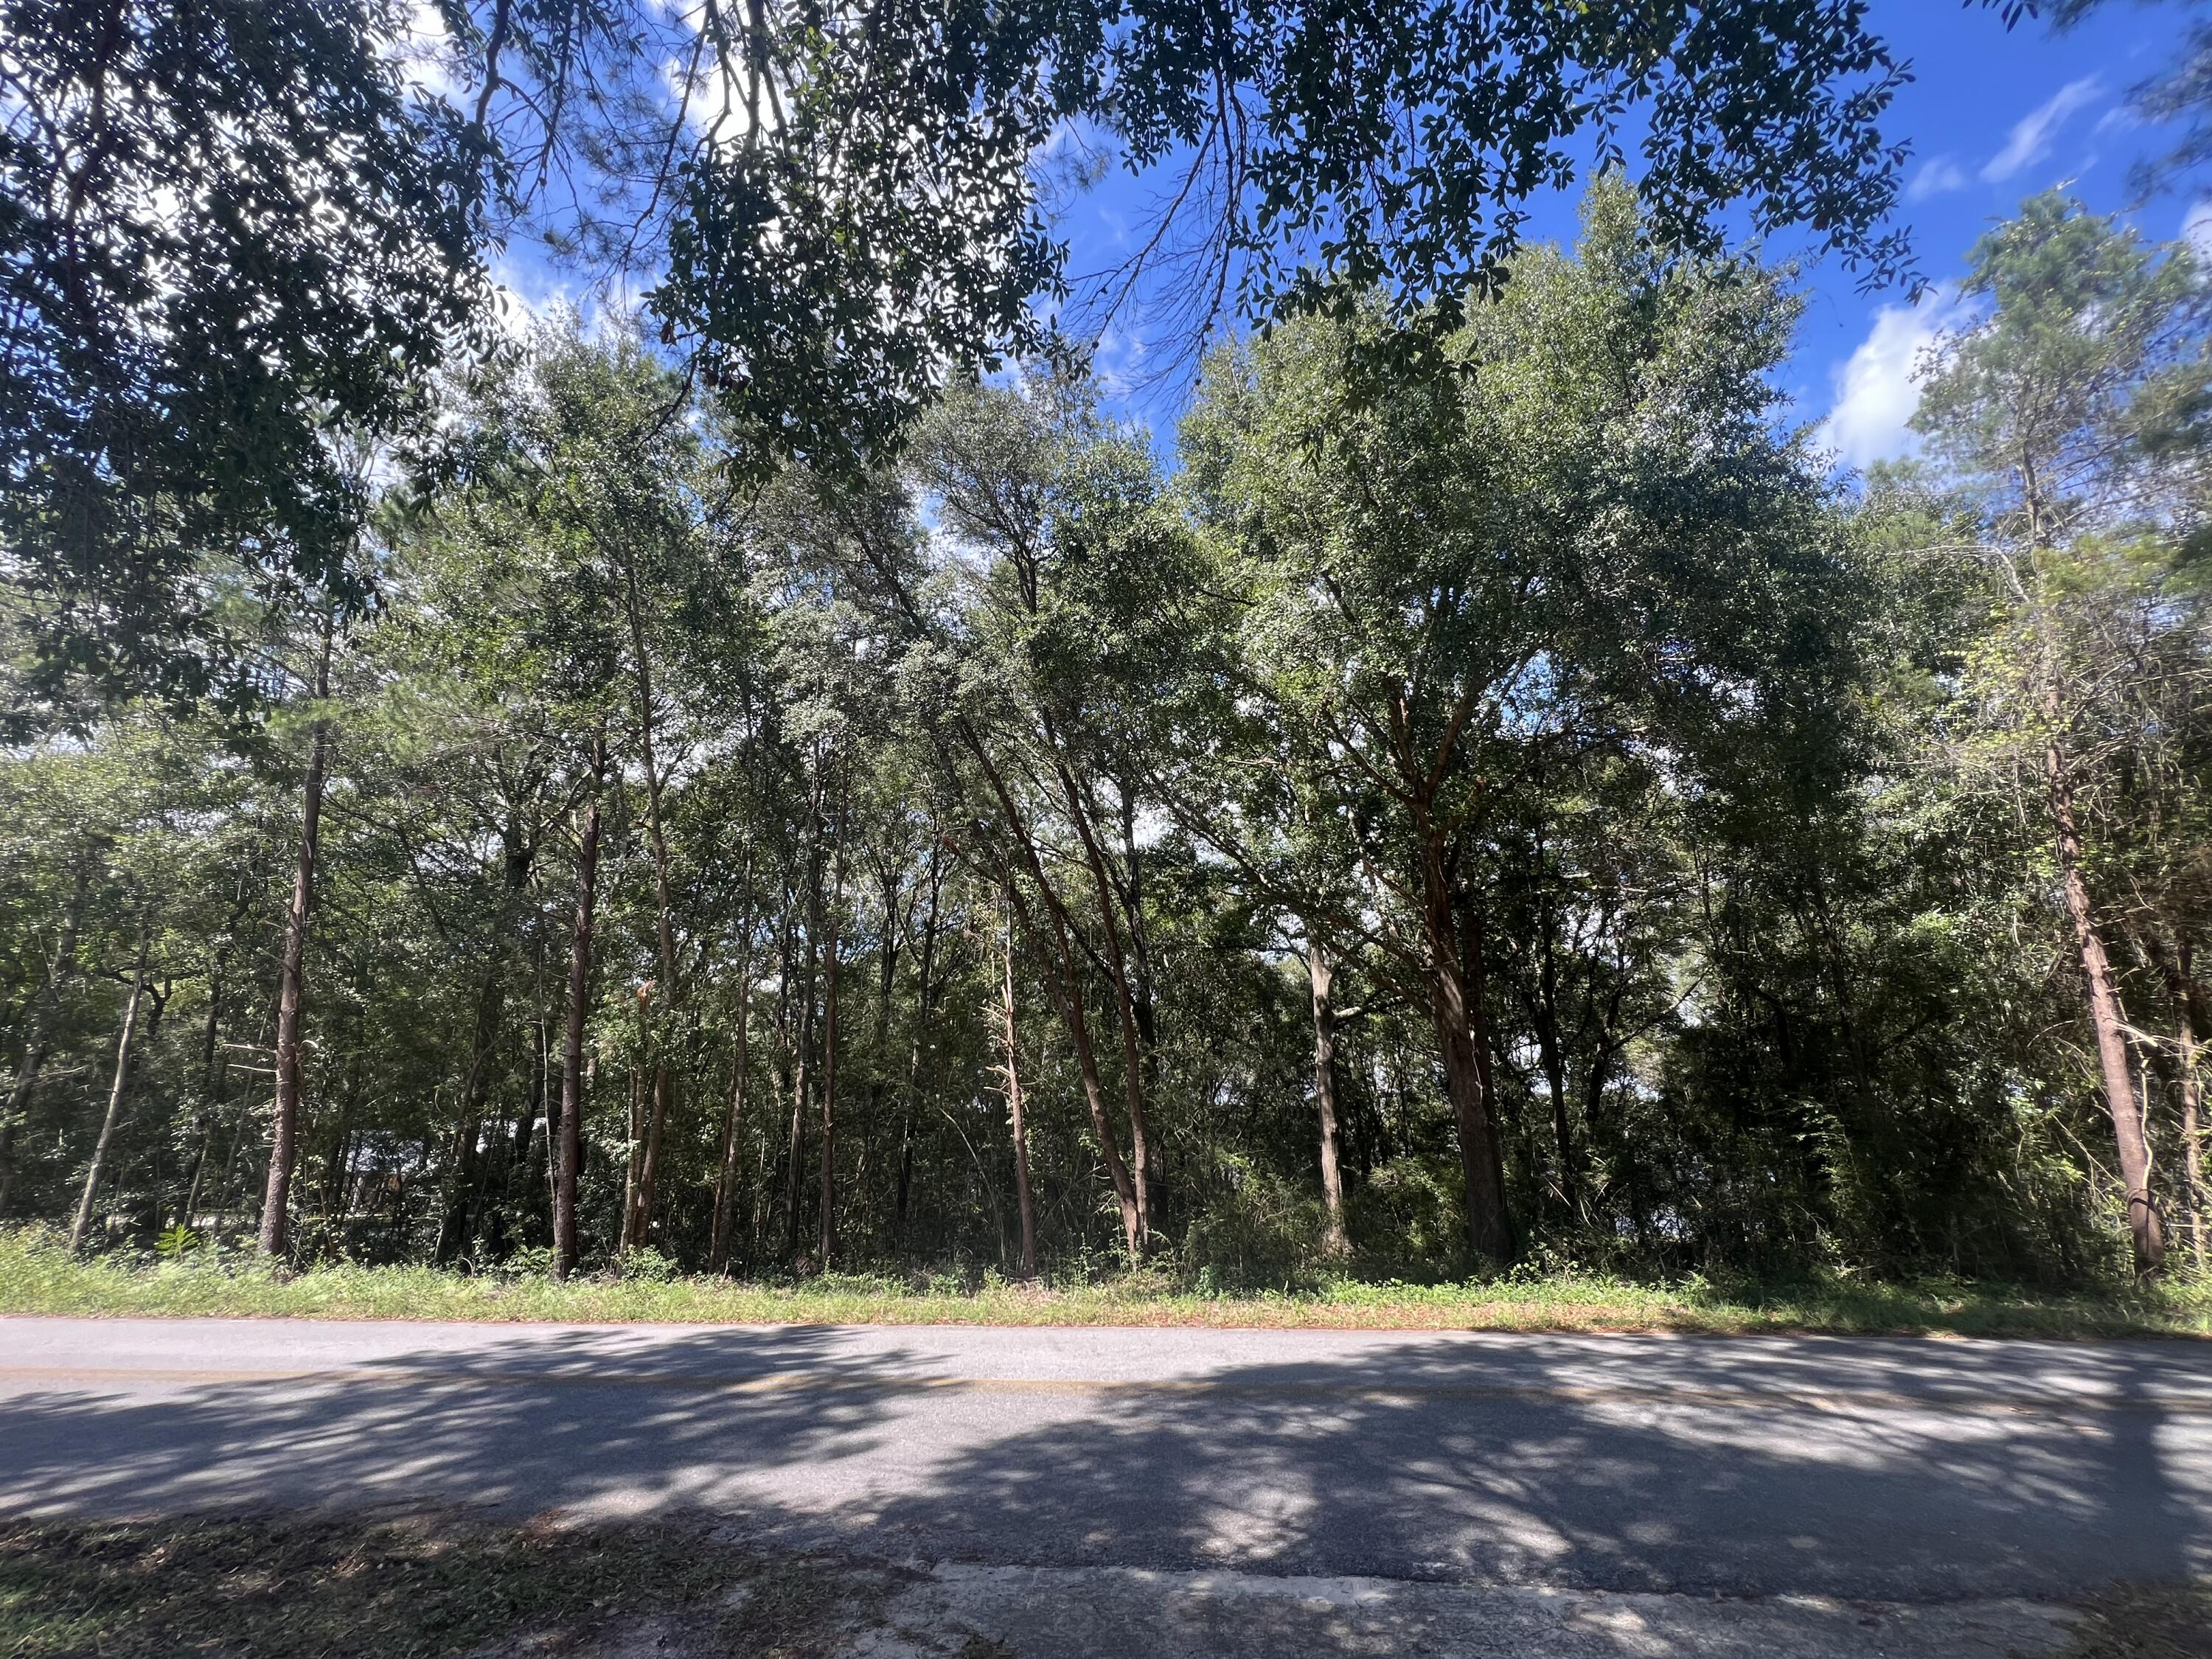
(2033, 133)
(1875, 390)
(1938, 174)
(2196, 230)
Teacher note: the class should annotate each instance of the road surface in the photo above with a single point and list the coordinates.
(1915, 1474)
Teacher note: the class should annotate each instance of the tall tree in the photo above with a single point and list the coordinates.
(2078, 405)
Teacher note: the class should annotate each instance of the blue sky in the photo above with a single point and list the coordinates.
(1992, 115)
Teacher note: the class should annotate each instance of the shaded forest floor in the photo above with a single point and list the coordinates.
(37, 1275)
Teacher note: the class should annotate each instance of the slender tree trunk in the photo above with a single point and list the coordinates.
(199, 1168)
(663, 1082)
(572, 1040)
(1117, 969)
(726, 1183)
(292, 987)
(801, 1082)
(1465, 1064)
(802, 1076)
(827, 1238)
(1322, 978)
(1555, 1067)
(2106, 1018)
(923, 993)
(459, 1225)
(470, 1174)
(116, 1092)
(1063, 983)
(656, 1135)
(2188, 1054)
(42, 1019)
(211, 1097)
(633, 1130)
(1013, 1046)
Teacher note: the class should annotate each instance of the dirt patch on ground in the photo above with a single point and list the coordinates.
(399, 1586)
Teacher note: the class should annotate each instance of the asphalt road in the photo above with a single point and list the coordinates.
(1911, 1472)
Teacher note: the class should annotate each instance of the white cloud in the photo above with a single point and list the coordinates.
(524, 297)
(1875, 390)
(2033, 133)
(2197, 229)
(426, 57)
(1938, 174)
(716, 105)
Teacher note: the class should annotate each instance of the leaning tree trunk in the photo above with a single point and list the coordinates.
(42, 1020)
(1117, 973)
(2107, 1019)
(572, 1039)
(115, 1091)
(1322, 978)
(291, 994)
(1064, 985)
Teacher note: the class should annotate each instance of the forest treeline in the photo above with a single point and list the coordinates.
(1472, 797)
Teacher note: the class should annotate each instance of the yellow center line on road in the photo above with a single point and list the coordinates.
(1285, 1390)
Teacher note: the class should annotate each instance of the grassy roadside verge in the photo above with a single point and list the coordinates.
(38, 1276)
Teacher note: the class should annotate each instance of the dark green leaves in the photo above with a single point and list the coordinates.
(227, 244)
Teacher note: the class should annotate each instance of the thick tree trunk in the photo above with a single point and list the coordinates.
(42, 1019)
(1465, 1064)
(292, 985)
(2107, 1020)
(1322, 978)
(121, 1085)
(572, 1040)
(1014, 1047)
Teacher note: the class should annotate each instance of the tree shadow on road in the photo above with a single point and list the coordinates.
(1653, 1464)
